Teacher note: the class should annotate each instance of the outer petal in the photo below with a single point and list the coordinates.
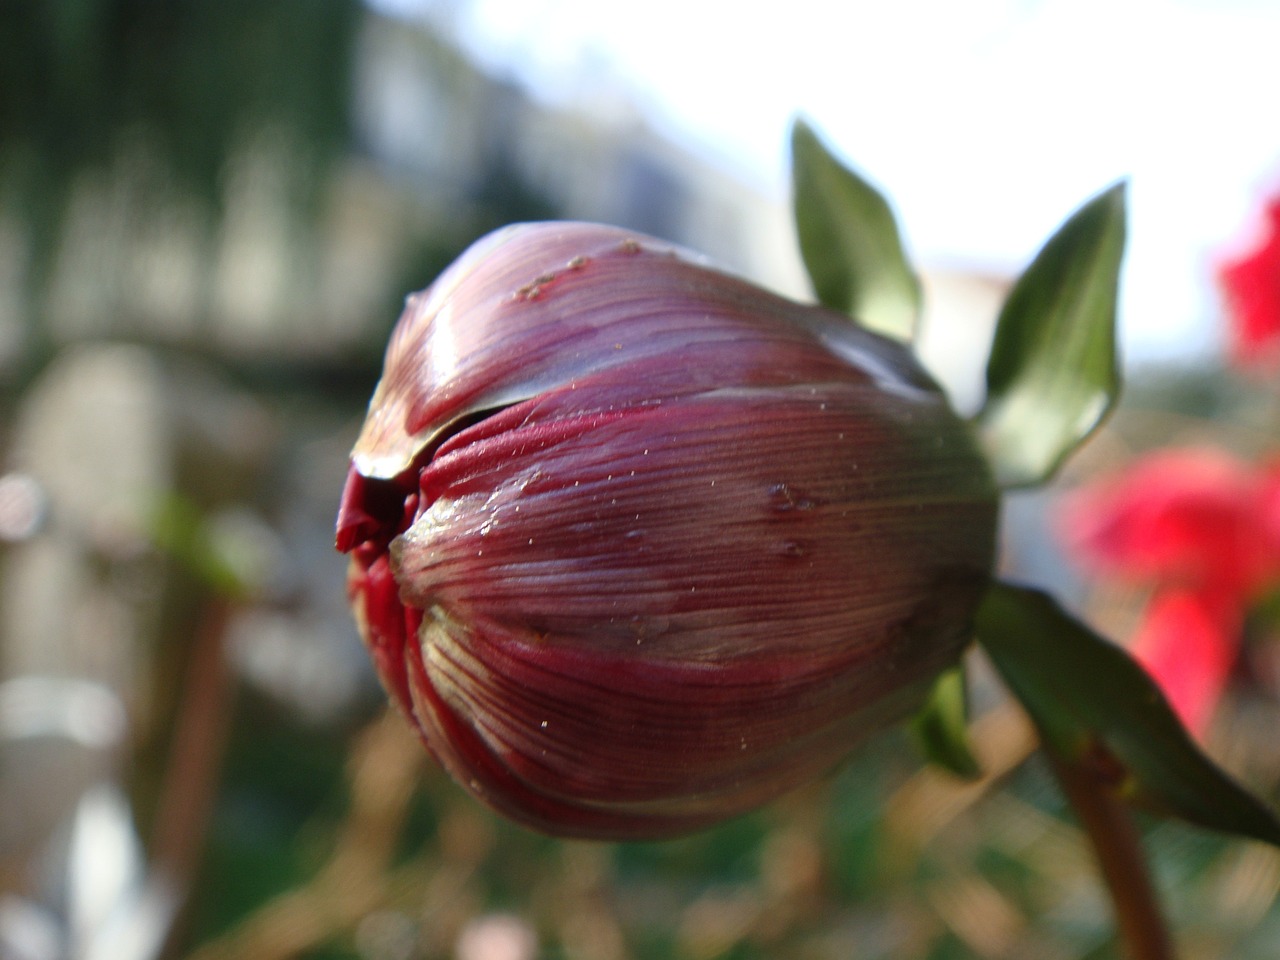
(534, 307)
(776, 515)
(615, 747)
(677, 611)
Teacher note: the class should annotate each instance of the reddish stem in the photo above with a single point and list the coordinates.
(196, 750)
(1120, 857)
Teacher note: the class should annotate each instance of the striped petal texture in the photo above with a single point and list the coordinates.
(638, 546)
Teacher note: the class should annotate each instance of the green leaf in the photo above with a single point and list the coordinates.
(1052, 375)
(941, 726)
(1092, 702)
(850, 242)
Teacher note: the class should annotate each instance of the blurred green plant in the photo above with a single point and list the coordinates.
(188, 81)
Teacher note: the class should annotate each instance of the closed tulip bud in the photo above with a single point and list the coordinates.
(638, 546)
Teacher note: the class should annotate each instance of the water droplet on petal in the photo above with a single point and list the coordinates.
(783, 499)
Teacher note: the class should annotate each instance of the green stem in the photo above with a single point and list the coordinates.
(1120, 857)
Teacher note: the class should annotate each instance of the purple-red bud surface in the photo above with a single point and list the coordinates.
(638, 546)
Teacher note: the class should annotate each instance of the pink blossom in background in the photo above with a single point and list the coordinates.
(1203, 529)
(1188, 641)
(1250, 282)
(1192, 516)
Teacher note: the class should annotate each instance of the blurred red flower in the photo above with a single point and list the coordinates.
(1250, 282)
(1201, 527)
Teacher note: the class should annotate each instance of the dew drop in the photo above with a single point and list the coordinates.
(784, 499)
(791, 548)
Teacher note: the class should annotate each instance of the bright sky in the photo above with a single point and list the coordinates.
(986, 122)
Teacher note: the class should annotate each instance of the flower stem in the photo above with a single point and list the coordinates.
(201, 727)
(1120, 857)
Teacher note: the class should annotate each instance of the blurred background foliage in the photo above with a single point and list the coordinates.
(209, 215)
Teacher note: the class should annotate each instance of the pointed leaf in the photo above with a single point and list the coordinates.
(1091, 701)
(850, 242)
(1052, 375)
(941, 726)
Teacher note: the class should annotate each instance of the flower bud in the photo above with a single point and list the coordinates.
(638, 546)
